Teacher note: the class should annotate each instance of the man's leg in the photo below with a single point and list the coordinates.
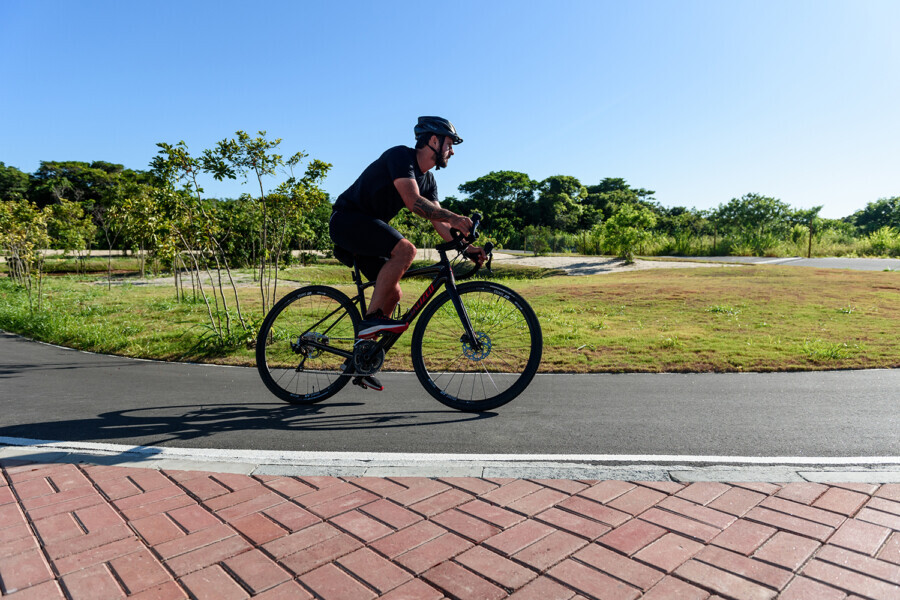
(387, 286)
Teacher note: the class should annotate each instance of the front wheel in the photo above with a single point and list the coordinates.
(481, 374)
(303, 344)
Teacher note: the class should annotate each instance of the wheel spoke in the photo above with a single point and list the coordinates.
(465, 376)
(320, 315)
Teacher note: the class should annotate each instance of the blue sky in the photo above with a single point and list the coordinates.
(701, 101)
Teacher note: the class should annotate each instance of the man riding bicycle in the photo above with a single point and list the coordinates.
(359, 220)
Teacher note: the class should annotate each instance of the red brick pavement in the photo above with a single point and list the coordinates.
(81, 531)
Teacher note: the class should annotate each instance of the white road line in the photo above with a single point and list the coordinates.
(778, 260)
(295, 457)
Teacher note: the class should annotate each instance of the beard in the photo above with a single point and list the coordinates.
(440, 161)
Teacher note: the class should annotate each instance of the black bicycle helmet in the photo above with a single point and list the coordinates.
(437, 126)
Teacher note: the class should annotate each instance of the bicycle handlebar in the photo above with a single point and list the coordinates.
(460, 242)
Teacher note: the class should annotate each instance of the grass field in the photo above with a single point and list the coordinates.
(759, 318)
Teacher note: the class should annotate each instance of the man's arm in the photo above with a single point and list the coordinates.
(417, 204)
(441, 218)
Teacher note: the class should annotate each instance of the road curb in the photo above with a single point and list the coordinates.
(304, 464)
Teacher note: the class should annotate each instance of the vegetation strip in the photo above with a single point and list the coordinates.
(729, 319)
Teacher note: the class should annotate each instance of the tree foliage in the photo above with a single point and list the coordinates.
(13, 183)
(754, 221)
(627, 229)
(884, 212)
(163, 212)
(23, 236)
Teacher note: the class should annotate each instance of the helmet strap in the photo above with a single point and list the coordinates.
(438, 153)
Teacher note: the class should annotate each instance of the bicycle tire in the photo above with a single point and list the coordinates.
(280, 346)
(469, 379)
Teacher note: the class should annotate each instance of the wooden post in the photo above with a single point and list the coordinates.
(809, 249)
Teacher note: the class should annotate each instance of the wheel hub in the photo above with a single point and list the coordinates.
(480, 351)
(302, 345)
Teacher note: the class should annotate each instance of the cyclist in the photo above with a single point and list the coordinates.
(359, 220)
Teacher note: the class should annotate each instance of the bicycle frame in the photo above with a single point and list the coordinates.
(444, 276)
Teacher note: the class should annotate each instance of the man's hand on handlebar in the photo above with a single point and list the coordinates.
(461, 224)
(476, 254)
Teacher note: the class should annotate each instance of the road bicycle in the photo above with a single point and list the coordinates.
(475, 347)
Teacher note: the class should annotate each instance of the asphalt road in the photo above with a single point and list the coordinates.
(51, 393)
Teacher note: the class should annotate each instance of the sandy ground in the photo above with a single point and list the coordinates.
(583, 265)
(593, 265)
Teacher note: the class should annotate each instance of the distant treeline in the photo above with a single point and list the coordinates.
(104, 205)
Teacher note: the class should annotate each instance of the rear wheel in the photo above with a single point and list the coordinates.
(481, 374)
(295, 347)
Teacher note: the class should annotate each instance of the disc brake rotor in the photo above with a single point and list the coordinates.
(477, 354)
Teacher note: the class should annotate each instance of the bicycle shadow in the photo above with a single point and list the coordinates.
(153, 426)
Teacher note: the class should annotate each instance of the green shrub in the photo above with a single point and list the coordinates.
(884, 242)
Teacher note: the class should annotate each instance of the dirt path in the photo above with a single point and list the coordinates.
(593, 265)
(572, 265)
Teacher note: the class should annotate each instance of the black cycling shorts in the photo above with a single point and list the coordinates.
(371, 240)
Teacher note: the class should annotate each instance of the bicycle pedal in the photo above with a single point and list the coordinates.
(368, 382)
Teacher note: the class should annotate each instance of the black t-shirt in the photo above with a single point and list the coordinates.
(374, 193)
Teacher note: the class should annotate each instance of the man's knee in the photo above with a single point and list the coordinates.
(404, 250)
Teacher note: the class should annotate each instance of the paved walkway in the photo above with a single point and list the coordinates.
(96, 532)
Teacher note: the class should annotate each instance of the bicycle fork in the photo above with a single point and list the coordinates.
(468, 337)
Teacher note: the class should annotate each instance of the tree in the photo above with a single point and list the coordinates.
(754, 221)
(504, 198)
(13, 183)
(627, 229)
(92, 185)
(884, 212)
(23, 234)
(69, 228)
(243, 156)
(79, 181)
(683, 225)
(613, 192)
(290, 210)
(194, 227)
(136, 214)
(560, 202)
(885, 241)
(808, 218)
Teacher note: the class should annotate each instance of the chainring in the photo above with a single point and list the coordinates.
(365, 361)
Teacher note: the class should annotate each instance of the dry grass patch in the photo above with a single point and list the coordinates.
(761, 318)
(765, 318)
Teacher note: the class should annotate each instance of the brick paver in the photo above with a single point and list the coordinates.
(331, 583)
(620, 567)
(632, 536)
(669, 552)
(462, 583)
(787, 550)
(860, 536)
(432, 553)
(83, 531)
(550, 550)
(743, 536)
(379, 573)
